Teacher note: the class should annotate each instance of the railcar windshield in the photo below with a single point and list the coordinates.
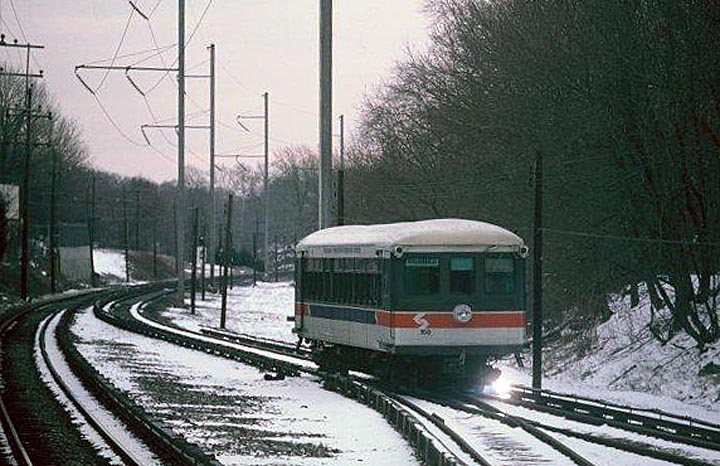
(462, 275)
(499, 275)
(422, 276)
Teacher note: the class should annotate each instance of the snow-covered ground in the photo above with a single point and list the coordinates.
(231, 411)
(110, 264)
(259, 311)
(625, 365)
(622, 362)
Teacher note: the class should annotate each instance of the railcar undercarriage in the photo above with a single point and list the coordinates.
(459, 369)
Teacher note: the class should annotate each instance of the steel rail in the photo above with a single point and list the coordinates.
(16, 446)
(663, 425)
(115, 444)
(14, 315)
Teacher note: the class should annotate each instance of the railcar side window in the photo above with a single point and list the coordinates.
(499, 275)
(462, 275)
(422, 275)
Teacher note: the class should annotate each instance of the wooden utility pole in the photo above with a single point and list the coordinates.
(254, 241)
(275, 260)
(325, 178)
(193, 281)
(154, 240)
(137, 220)
(203, 249)
(25, 192)
(91, 232)
(53, 220)
(125, 235)
(227, 260)
(537, 276)
(341, 176)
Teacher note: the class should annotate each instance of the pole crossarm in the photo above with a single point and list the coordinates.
(23, 75)
(123, 68)
(198, 76)
(244, 156)
(15, 43)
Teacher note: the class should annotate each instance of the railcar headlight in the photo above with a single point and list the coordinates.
(462, 313)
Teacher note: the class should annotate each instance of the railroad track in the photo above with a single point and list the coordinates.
(436, 441)
(409, 419)
(650, 422)
(40, 430)
(70, 389)
(27, 439)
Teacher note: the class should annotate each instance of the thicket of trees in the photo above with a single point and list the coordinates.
(621, 98)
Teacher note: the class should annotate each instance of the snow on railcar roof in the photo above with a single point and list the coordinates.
(424, 233)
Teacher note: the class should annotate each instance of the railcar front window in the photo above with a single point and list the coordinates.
(499, 275)
(462, 275)
(422, 275)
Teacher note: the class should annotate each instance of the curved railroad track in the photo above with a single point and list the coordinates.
(47, 411)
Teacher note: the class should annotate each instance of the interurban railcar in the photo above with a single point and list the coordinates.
(413, 299)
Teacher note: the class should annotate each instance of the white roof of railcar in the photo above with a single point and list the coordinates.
(425, 235)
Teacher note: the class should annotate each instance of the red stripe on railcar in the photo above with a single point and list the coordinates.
(446, 320)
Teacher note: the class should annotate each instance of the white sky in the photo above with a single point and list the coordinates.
(264, 45)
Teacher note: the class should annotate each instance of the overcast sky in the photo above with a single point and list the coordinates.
(261, 45)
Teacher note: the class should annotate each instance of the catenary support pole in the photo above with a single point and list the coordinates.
(181, 213)
(213, 203)
(193, 280)
(341, 175)
(325, 178)
(227, 262)
(125, 234)
(154, 240)
(537, 276)
(203, 249)
(275, 258)
(91, 232)
(266, 191)
(137, 220)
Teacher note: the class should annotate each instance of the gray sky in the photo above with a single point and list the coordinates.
(261, 45)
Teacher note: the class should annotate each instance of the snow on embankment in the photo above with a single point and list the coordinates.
(109, 264)
(621, 361)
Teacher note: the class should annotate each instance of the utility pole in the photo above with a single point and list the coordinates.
(137, 220)
(537, 275)
(154, 240)
(325, 178)
(255, 235)
(193, 286)
(227, 262)
(91, 232)
(341, 175)
(275, 262)
(213, 233)
(53, 220)
(25, 194)
(125, 235)
(203, 249)
(266, 186)
(180, 231)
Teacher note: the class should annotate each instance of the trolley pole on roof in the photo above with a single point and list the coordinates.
(325, 178)
(537, 276)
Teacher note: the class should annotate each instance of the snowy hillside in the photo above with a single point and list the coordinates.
(620, 360)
